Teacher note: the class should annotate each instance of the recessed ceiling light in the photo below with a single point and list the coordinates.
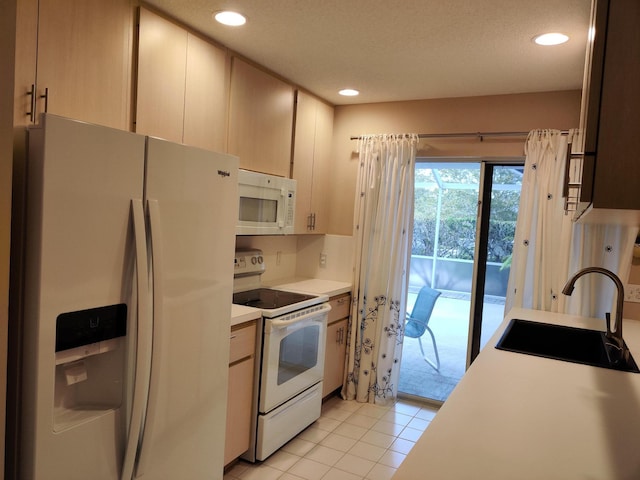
(349, 92)
(232, 19)
(551, 39)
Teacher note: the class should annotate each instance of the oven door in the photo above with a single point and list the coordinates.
(293, 356)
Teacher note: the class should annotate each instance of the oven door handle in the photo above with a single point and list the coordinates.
(276, 323)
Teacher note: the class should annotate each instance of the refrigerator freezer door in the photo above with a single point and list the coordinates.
(78, 256)
(192, 207)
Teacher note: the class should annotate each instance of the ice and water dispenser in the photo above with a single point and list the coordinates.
(90, 361)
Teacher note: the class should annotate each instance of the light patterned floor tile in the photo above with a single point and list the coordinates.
(389, 428)
(289, 476)
(282, 460)
(309, 469)
(313, 434)
(381, 472)
(238, 468)
(260, 472)
(418, 424)
(392, 459)
(350, 405)
(402, 446)
(338, 442)
(371, 410)
(397, 418)
(326, 423)
(351, 431)
(356, 465)
(298, 447)
(324, 455)
(427, 413)
(364, 421)
(368, 451)
(377, 438)
(338, 414)
(412, 434)
(336, 474)
(408, 408)
(350, 441)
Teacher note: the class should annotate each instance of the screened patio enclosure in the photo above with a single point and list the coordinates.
(444, 256)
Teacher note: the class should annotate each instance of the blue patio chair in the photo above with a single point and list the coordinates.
(418, 321)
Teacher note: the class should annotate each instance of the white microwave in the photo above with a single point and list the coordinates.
(266, 204)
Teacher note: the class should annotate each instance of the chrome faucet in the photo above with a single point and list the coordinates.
(616, 347)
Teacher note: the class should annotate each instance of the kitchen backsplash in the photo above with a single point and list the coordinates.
(291, 256)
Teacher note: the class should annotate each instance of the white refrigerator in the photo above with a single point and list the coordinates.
(127, 291)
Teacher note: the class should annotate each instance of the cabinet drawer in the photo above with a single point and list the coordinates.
(242, 341)
(340, 306)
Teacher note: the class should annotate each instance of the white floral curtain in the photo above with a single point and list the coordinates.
(549, 247)
(383, 225)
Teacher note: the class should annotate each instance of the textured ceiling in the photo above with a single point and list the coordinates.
(404, 49)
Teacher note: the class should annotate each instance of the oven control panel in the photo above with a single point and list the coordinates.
(248, 262)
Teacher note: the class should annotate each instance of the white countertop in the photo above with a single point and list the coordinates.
(521, 417)
(315, 286)
(241, 314)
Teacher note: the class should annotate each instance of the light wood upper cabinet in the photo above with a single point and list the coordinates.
(206, 95)
(182, 85)
(260, 120)
(162, 61)
(82, 50)
(311, 156)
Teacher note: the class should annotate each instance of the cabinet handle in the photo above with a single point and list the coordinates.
(232, 337)
(309, 222)
(32, 93)
(46, 99)
(313, 223)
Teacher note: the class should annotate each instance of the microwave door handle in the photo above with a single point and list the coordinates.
(286, 323)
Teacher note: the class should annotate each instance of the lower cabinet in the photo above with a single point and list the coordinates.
(336, 348)
(240, 392)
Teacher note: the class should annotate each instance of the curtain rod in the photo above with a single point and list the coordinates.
(479, 135)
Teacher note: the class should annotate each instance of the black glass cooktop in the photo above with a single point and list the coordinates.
(267, 298)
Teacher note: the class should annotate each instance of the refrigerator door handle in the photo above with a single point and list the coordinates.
(156, 352)
(143, 350)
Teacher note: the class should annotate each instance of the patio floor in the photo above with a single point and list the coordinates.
(450, 324)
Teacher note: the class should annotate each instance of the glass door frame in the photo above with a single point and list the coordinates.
(487, 166)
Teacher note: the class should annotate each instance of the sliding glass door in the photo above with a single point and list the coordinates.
(464, 224)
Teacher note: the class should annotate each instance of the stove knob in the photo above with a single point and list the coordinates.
(254, 260)
(260, 259)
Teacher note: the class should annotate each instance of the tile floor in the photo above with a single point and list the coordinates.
(350, 441)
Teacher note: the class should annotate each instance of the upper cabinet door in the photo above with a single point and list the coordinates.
(84, 59)
(162, 60)
(311, 157)
(260, 120)
(306, 108)
(322, 167)
(206, 95)
(183, 85)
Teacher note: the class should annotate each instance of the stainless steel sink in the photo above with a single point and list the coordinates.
(568, 344)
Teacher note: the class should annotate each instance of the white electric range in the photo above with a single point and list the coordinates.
(289, 379)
